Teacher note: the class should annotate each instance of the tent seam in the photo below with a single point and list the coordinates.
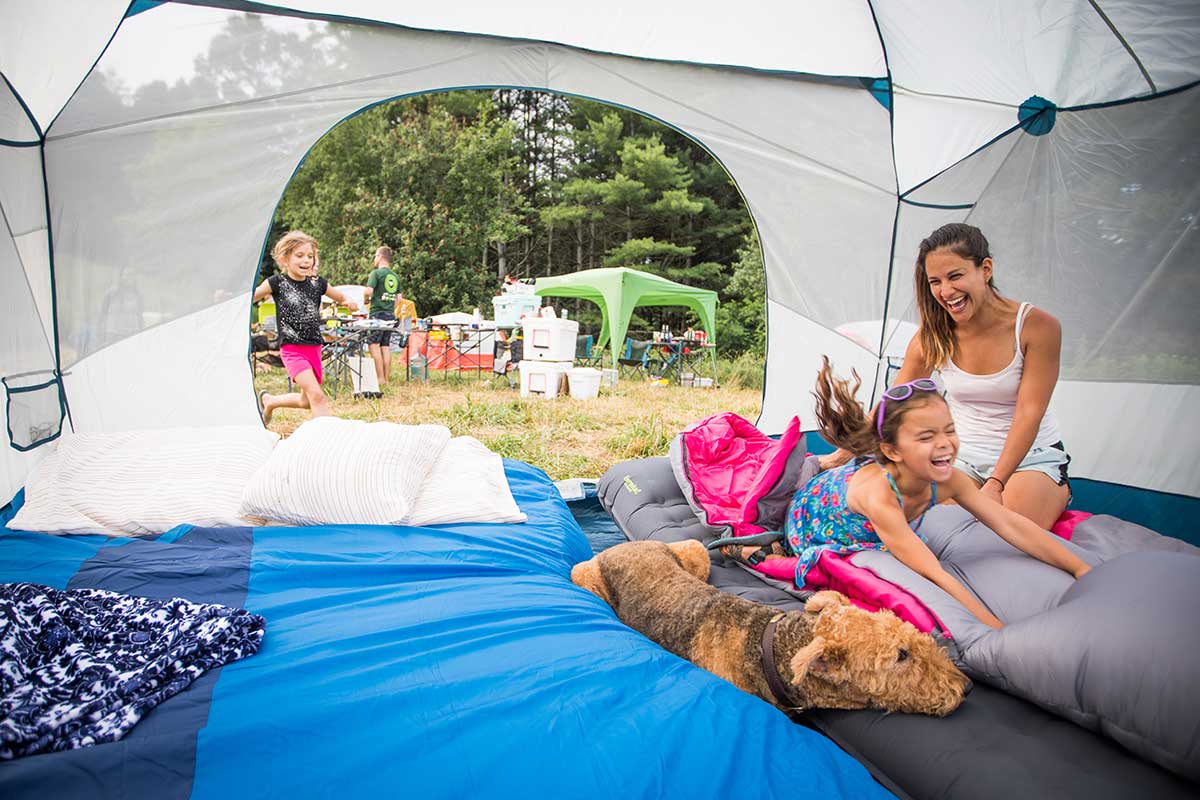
(887, 293)
(91, 69)
(24, 107)
(62, 389)
(1128, 47)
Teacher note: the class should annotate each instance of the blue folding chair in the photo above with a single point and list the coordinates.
(635, 359)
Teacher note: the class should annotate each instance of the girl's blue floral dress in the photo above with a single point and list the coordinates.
(818, 518)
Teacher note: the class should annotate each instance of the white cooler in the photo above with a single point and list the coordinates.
(585, 383)
(508, 308)
(549, 339)
(543, 378)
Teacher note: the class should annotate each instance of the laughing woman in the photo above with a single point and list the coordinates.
(999, 362)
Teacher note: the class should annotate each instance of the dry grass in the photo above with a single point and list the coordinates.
(565, 437)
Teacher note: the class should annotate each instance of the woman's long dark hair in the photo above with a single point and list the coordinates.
(937, 326)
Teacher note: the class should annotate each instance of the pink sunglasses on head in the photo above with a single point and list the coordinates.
(899, 393)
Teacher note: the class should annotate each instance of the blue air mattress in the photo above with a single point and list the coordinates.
(453, 661)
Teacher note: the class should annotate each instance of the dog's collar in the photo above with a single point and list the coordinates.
(774, 682)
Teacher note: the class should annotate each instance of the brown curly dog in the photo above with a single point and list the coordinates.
(832, 655)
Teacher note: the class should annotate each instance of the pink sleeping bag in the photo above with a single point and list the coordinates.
(734, 475)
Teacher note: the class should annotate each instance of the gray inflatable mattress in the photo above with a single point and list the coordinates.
(1089, 682)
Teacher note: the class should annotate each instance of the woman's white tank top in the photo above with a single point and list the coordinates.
(983, 405)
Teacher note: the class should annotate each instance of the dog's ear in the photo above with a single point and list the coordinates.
(693, 556)
(818, 657)
(823, 600)
(587, 575)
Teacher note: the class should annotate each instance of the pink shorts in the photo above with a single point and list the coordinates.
(300, 357)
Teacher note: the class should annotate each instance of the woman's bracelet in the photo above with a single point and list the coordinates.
(997, 480)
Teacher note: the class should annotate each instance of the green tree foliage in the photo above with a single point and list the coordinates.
(467, 187)
(741, 317)
(428, 176)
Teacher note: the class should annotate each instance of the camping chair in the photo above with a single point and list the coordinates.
(663, 360)
(506, 356)
(634, 360)
(585, 356)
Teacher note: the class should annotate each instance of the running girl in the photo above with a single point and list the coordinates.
(297, 291)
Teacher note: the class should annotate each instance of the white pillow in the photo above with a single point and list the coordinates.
(146, 481)
(467, 484)
(335, 471)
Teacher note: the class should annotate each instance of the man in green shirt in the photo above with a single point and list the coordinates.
(383, 285)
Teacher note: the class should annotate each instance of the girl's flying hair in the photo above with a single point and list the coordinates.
(843, 422)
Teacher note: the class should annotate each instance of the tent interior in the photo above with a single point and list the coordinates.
(153, 154)
(144, 147)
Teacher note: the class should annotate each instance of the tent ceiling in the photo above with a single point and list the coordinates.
(765, 34)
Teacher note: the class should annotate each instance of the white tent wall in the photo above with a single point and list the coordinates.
(1001, 52)
(165, 167)
(194, 188)
(47, 48)
(26, 329)
(794, 352)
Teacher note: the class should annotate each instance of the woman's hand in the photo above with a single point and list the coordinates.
(993, 490)
(1081, 570)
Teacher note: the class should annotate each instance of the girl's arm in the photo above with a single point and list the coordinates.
(262, 292)
(1013, 528)
(339, 297)
(1033, 395)
(898, 537)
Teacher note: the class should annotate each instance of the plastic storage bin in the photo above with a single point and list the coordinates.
(549, 339)
(508, 308)
(542, 378)
(585, 383)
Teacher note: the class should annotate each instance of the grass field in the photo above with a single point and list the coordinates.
(565, 437)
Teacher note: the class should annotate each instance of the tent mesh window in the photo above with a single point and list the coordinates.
(34, 408)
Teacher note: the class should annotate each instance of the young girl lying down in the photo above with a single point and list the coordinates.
(903, 465)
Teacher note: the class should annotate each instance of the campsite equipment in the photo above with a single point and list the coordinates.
(543, 378)
(549, 339)
(509, 308)
(584, 382)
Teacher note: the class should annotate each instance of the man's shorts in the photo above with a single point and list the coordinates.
(1051, 461)
(383, 337)
(300, 357)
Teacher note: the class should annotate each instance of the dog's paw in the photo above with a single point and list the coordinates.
(693, 556)
(587, 575)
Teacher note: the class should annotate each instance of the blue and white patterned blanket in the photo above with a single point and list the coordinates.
(82, 667)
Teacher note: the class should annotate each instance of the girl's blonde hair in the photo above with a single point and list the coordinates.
(289, 242)
(938, 341)
(843, 422)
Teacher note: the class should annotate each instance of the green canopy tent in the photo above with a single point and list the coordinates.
(619, 290)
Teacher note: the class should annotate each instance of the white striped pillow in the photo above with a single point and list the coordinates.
(345, 471)
(467, 484)
(147, 481)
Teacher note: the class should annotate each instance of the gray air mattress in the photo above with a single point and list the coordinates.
(1110, 660)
